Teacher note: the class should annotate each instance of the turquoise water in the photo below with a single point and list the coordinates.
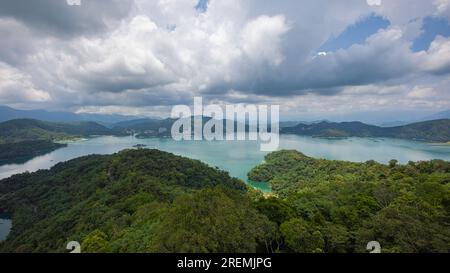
(238, 157)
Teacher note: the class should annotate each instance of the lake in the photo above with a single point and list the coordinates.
(239, 157)
(5, 226)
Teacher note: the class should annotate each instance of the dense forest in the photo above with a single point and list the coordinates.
(20, 152)
(152, 201)
(337, 206)
(430, 131)
(133, 201)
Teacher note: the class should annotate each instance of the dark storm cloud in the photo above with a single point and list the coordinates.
(58, 18)
(14, 42)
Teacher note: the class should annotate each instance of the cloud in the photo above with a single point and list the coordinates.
(16, 87)
(127, 60)
(421, 92)
(58, 18)
(437, 59)
(125, 54)
(15, 42)
(262, 39)
(443, 7)
(374, 2)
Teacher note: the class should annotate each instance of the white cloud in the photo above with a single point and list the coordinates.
(437, 58)
(420, 92)
(16, 87)
(443, 7)
(164, 52)
(262, 39)
(374, 2)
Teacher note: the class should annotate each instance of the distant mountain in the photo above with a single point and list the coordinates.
(440, 115)
(432, 131)
(400, 122)
(154, 127)
(23, 139)
(284, 124)
(144, 127)
(394, 123)
(8, 113)
(20, 130)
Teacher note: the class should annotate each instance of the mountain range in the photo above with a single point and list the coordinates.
(430, 131)
(8, 113)
(19, 130)
(29, 130)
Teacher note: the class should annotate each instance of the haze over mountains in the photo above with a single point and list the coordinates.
(429, 131)
(9, 113)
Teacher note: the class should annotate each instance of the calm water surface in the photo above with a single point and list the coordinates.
(5, 226)
(238, 157)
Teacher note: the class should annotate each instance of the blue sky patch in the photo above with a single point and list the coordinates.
(202, 5)
(356, 33)
(432, 27)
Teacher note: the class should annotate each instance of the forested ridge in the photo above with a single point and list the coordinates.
(20, 152)
(24, 139)
(429, 131)
(133, 201)
(337, 206)
(19, 130)
(152, 201)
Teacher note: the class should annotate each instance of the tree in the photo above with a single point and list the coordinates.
(300, 238)
(275, 209)
(212, 220)
(96, 242)
(393, 163)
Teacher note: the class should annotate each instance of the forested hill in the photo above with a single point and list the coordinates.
(340, 206)
(23, 139)
(432, 131)
(133, 201)
(152, 201)
(30, 130)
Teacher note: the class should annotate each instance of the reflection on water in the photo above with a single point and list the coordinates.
(238, 157)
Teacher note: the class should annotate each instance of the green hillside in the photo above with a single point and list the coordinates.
(29, 129)
(431, 131)
(20, 152)
(338, 206)
(153, 201)
(24, 139)
(134, 201)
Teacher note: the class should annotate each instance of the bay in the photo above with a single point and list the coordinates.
(239, 157)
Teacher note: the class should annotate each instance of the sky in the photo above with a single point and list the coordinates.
(318, 59)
